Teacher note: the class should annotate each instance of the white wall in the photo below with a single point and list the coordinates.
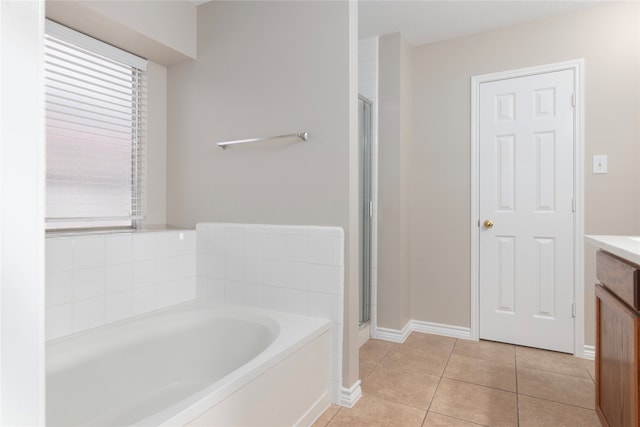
(393, 299)
(269, 68)
(21, 214)
(161, 31)
(155, 191)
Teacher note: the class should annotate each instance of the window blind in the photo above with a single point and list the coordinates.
(95, 98)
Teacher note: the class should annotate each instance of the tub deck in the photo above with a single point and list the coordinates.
(189, 365)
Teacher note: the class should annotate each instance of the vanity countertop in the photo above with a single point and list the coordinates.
(626, 247)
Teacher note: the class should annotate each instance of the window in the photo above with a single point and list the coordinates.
(95, 132)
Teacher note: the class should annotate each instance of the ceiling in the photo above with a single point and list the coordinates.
(426, 21)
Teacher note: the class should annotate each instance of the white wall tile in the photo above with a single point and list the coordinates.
(217, 239)
(145, 273)
(187, 242)
(118, 306)
(58, 321)
(187, 265)
(202, 265)
(296, 248)
(118, 249)
(58, 288)
(88, 283)
(167, 244)
(321, 305)
(252, 270)
(273, 298)
(273, 247)
(118, 278)
(233, 242)
(252, 244)
(326, 279)
(145, 246)
(167, 294)
(234, 228)
(323, 250)
(234, 292)
(253, 295)
(143, 300)
(296, 302)
(202, 284)
(59, 255)
(233, 268)
(88, 252)
(167, 269)
(88, 314)
(216, 290)
(273, 272)
(296, 275)
(216, 266)
(186, 289)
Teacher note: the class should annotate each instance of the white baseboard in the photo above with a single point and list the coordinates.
(441, 329)
(349, 396)
(393, 335)
(400, 336)
(589, 352)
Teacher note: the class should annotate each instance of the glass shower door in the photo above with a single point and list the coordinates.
(366, 207)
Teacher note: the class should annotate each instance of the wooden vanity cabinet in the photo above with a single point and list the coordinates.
(617, 341)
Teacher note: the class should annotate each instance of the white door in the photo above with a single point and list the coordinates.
(526, 210)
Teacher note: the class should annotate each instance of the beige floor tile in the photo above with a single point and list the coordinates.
(591, 368)
(416, 359)
(400, 386)
(326, 416)
(562, 363)
(474, 403)
(438, 420)
(366, 367)
(429, 342)
(375, 350)
(481, 372)
(556, 387)
(486, 350)
(373, 412)
(538, 412)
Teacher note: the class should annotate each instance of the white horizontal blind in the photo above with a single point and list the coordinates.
(95, 130)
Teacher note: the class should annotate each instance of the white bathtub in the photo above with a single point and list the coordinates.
(196, 364)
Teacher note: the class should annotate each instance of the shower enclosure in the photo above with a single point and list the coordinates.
(366, 207)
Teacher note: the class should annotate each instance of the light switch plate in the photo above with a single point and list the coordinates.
(600, 164)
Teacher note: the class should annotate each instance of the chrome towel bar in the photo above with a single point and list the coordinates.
(302, 135)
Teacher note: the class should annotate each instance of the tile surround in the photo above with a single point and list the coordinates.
(296, 269)
(98, 279)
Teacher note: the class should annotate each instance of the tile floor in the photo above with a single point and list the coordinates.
(438, 381)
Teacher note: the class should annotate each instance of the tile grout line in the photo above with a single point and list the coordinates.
(439, 381)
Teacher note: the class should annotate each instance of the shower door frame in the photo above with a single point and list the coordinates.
(366, 210)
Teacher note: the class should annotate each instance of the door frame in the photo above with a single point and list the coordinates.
(577, 66)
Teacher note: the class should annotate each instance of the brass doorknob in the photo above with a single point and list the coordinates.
(488, 223)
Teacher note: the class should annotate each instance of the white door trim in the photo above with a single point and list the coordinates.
(577, 66)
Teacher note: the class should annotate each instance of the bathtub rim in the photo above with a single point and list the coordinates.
(190, 408)
(298, 331)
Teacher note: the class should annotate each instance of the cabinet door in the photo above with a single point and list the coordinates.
(617, 352)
